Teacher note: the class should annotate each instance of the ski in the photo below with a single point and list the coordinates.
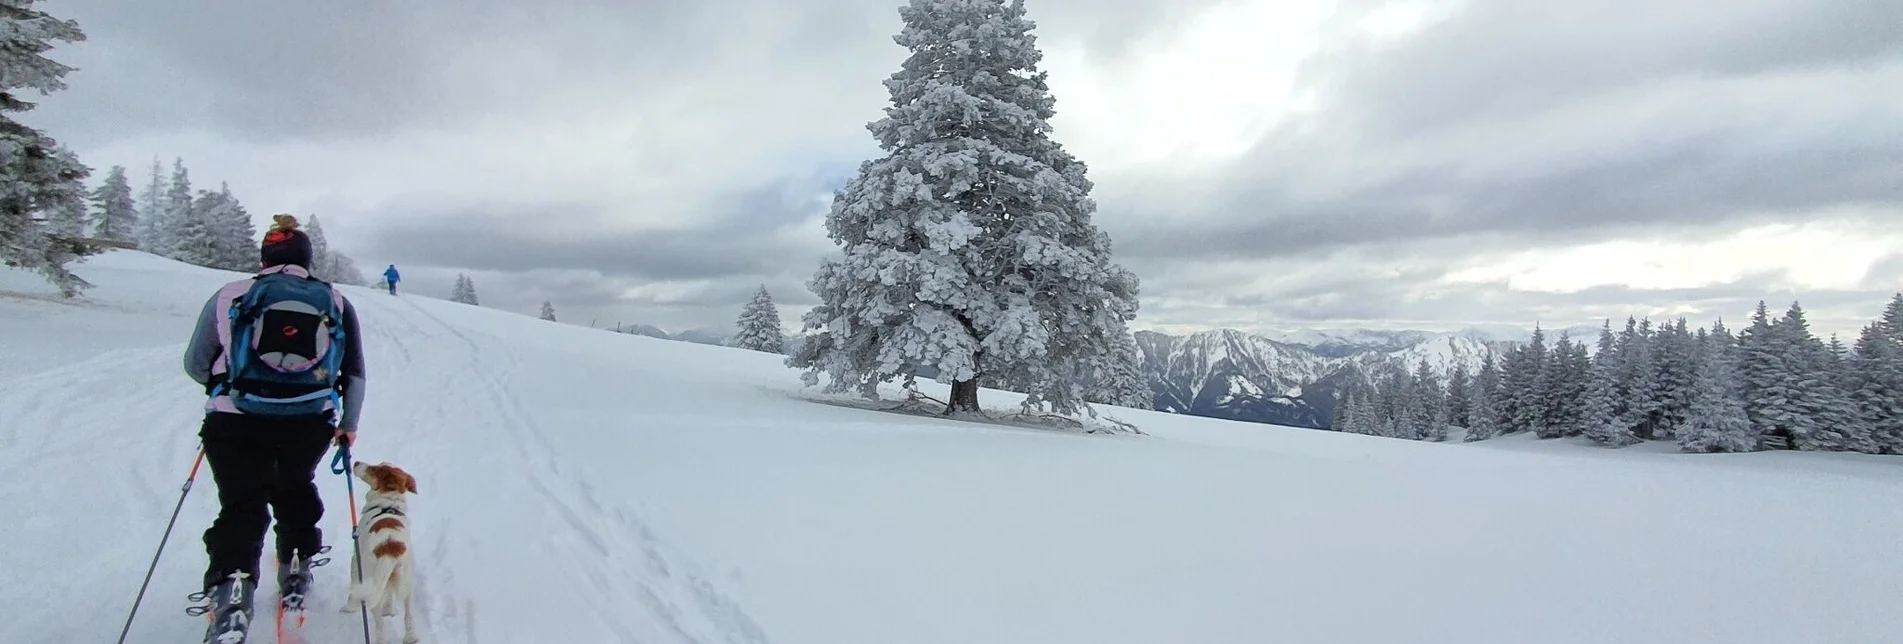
(293, 634)
(293, 589)
(227, 610)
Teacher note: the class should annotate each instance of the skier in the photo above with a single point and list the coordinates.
(390, 277)
(266, 428)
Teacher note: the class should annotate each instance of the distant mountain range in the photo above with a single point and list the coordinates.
(1291, 378)
(1281, 378)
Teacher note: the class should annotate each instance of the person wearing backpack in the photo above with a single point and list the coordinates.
(282, 365)
(390, 277)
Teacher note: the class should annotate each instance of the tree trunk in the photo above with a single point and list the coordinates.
(964, 397)
(964, 393)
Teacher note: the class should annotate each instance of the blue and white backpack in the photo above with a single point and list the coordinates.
(287, 342)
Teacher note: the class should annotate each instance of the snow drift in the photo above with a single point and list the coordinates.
(579, 485)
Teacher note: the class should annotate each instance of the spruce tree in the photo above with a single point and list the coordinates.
(465, 290)
(1761, 367)
(234, 237)
(37, 173)
(1360, 416)
(548, 311)
(1877, 388)
(1892, 321)
(150, 232)
(1715, 419)
(1676, 374)
(1121, 381)
(1338, 417)
(968, 247)
(1523, 398)
(456, 292)
(759, 325)
(1562, 390)
(321, 265)
(1823, 416)
(1484, 417)
(116, 217)
(1459, 402)
(194, 237)
(182, 236)
(1638, 379)
(1430, 421)
(1603, 419)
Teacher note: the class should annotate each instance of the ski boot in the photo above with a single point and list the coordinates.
(229, 608)
(294, 579)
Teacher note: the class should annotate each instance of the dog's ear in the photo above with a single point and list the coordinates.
(409, 482)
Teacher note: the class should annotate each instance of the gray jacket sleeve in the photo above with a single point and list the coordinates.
(204, 347)
(352, 378)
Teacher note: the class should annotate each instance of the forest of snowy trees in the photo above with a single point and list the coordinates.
(1772, 385)
(201, 227)
(49, 217)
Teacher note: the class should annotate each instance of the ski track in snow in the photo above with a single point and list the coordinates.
(137, 402)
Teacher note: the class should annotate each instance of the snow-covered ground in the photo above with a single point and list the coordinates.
(579, 485)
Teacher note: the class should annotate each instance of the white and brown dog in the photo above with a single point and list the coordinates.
(388, 576)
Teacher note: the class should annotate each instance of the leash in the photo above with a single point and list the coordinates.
(182, 492)
(341, 464)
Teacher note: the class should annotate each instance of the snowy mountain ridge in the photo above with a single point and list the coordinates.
(1231, 374)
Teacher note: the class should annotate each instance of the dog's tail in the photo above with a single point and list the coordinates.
(378, 573)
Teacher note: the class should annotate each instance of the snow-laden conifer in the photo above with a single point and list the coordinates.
(37, 173)
(1603, 420)
(1120, 381)
(152, 228)
(115, 216)
(1715, 419)
(464, 291)
(1484, 416)
(759, 325)
(968, 247)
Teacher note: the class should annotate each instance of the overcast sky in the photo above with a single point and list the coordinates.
(1260, 164)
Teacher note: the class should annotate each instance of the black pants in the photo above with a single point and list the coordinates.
(263, 465)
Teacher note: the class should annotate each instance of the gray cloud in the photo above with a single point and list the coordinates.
(656, 160)
(756, 233)
(1545, 120)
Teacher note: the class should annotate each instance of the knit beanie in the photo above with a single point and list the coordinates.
(285, 244)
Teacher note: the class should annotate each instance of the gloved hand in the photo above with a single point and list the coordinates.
(345, 437)
(212, 384)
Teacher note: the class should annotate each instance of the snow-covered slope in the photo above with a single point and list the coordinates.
(579, 485)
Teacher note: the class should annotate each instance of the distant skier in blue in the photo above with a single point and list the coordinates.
(390, 277)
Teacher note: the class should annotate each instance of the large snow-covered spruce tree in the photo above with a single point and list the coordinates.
(759, 325)
(37, 173)
(968, 247)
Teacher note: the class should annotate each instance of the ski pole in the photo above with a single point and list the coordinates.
(342, 464)
(182, 492)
